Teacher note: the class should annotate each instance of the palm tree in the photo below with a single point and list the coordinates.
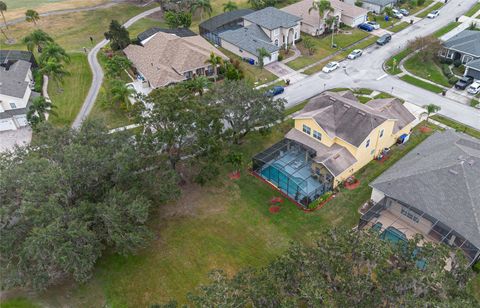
(4, 34)
(37, 38)
(309, 45)
(32, 16)
(54, 70)
(197, 85)
(203, 6)
(229, 6)
(3, 8)
(262, 53)
(37, 110)
(215, 61)
(53, 51)
(322, 7)
(430, 108)
(120, 93)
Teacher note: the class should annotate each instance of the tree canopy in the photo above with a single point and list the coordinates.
(118, 35)
(69, 196)
(346, 269)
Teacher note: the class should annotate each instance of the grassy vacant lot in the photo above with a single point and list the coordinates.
(473, 10)
(323, 47)
(426, 69)
(434, 7)
(421, 84)
(457, 126)
(69, 98)
(72, 31)
(392, 64)
(446, 29)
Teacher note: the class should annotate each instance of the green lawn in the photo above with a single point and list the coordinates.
(436, 6)
(399, 26)
(473, 10)
(362, 45)
(323, 47)
(18, 303)
(447, 29)
(426, 69)
(392, 64)
(422, 84)
(415, 9)
(457, 126)
(73, 91)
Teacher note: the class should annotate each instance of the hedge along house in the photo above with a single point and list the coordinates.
(434, 191)
(210, 29)
(464, 47)
(333, 137)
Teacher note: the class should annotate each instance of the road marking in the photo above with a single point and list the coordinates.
(381, 77)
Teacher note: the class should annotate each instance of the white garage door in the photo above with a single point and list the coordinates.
(7, 124)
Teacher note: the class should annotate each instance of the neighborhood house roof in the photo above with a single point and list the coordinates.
(180, 32)
(441, 178)
(380, 2)
(272, 18)
(302, 8)
(14, 55)
(475, 64)
(342, 116)
(250, 38)
(166, 57)
(467, 41)
(12, 78)
(219, 21)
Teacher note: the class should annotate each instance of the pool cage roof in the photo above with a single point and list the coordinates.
(437, 231)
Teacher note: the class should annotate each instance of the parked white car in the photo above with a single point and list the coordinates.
(433, 14)
(474, 88)
(396, 13)
(355, 54)
(330, 67)
(374, 24)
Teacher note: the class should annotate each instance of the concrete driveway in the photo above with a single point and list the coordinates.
(10, 138)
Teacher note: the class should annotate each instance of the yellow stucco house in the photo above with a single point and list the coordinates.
(334, 136)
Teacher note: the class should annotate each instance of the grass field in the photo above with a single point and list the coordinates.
(426, 69)
(434, 7)
(392, 64)
(400, 26)
(421, 84)
(473, 10)
(447, 29)
(457, 126)
(69, 100)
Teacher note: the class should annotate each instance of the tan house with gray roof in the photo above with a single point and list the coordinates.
(166, 58)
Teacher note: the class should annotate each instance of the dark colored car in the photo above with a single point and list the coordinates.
(366, 27)
(464, 82)
(276, 90)
(384, 39)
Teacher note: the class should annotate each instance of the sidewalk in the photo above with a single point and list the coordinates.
(465, 23)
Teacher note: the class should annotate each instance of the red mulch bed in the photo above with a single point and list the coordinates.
(276, 200)
(425, 129)
(353, 185)
(274, 209)
(234, 175)
(383, 159)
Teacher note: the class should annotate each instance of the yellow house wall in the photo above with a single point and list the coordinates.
(326, 140)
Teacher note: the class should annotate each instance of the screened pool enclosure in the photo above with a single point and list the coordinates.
(290, 167)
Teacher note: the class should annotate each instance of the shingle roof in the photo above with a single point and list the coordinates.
(336, 158)
(341, 115)
(250, 38)
(14, 55)
(441, 178)
(19, 111)
(467, 41)
(475, 64)
(12, 81)
(180, 32)
(165, 57)
(220, 20)
(272, 18)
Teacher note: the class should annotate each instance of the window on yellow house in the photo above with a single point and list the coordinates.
(317, 135)
(381, 133)
(368, 143)
(306, 129)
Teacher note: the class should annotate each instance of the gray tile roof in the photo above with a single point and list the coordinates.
(335, 158)
(475, 64)
(14, 55)
(467, 41)
(220, 20)
(250, 39)
(272, 18)
(12, 81)
(440, 177)
(341, 115)
(180, 32)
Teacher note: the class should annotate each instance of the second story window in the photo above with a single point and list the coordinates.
(13, 106)
(276, 32)
(306, 129)
(381, 133)
(368, 143)
(317, 135)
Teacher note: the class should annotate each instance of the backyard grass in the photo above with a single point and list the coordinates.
(436, 6)
(252, 73)
(473, 10)
(446, 29)
(323, 47)
(421, 84)
(429, 70)
(399, 26)
(392, 64)
(457, 126)
(73, 91)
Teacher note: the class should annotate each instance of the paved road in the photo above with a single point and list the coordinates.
(367, 71)
(97, 79)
